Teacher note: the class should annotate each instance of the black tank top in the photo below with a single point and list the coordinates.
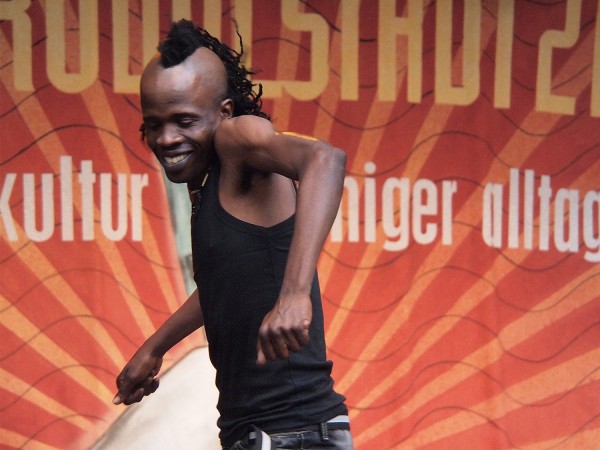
(239, 268)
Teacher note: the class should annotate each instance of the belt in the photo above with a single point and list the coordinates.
(341, 422)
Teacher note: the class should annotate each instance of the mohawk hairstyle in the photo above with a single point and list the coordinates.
(185, 38)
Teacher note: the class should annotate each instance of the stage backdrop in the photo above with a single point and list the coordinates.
(461, 280)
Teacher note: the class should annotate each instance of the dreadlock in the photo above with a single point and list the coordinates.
(185, 38)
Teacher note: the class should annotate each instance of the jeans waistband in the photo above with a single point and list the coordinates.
(258, 439)
(341, 422)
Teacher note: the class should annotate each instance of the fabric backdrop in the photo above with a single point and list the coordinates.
(461, 281)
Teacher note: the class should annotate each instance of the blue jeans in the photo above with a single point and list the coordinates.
(324, 439)
(312, 440)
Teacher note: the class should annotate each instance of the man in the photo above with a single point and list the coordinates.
(255, 241)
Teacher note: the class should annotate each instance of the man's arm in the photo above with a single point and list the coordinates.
(320, 170)
(138, 377)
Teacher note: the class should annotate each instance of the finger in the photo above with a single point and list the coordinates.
(291, 341)
(135, 397)
(147, 383)
(280, 347)
(301, 334)
(261, 357)
(124, 388)
(292, 345)
(154, 386)
(261, 360)
(150, 386)
(267, 346)
(147, 387)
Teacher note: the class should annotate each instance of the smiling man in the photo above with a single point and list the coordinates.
(256, 239)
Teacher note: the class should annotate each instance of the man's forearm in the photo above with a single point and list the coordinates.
(319, 196)
(183, 322)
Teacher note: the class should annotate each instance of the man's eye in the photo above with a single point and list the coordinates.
(151, 126)
(185, 123)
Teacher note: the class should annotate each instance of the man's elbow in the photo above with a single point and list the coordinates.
(340, 158)
(331, 157)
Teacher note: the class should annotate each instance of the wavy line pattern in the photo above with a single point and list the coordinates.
(441, 345)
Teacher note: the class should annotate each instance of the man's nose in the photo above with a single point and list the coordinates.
(168, 136)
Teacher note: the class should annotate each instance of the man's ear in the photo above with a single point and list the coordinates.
(227, 108)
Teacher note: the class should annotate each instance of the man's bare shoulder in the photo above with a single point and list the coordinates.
(245, 131)
(239, 140)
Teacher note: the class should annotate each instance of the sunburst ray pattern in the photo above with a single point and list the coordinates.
(461, 284)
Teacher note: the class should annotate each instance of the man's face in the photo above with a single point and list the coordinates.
(182, 110)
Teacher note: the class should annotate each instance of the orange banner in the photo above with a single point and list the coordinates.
(460, 281)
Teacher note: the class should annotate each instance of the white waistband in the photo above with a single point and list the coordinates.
(339, 419)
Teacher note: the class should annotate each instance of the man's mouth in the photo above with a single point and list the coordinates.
(172, 160)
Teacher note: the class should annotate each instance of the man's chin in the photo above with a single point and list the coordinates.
(185, 171)
(177, 176)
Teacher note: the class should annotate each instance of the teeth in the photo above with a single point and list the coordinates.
(174, 159)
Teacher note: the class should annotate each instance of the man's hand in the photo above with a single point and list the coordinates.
(285, 328)
(137, 379)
